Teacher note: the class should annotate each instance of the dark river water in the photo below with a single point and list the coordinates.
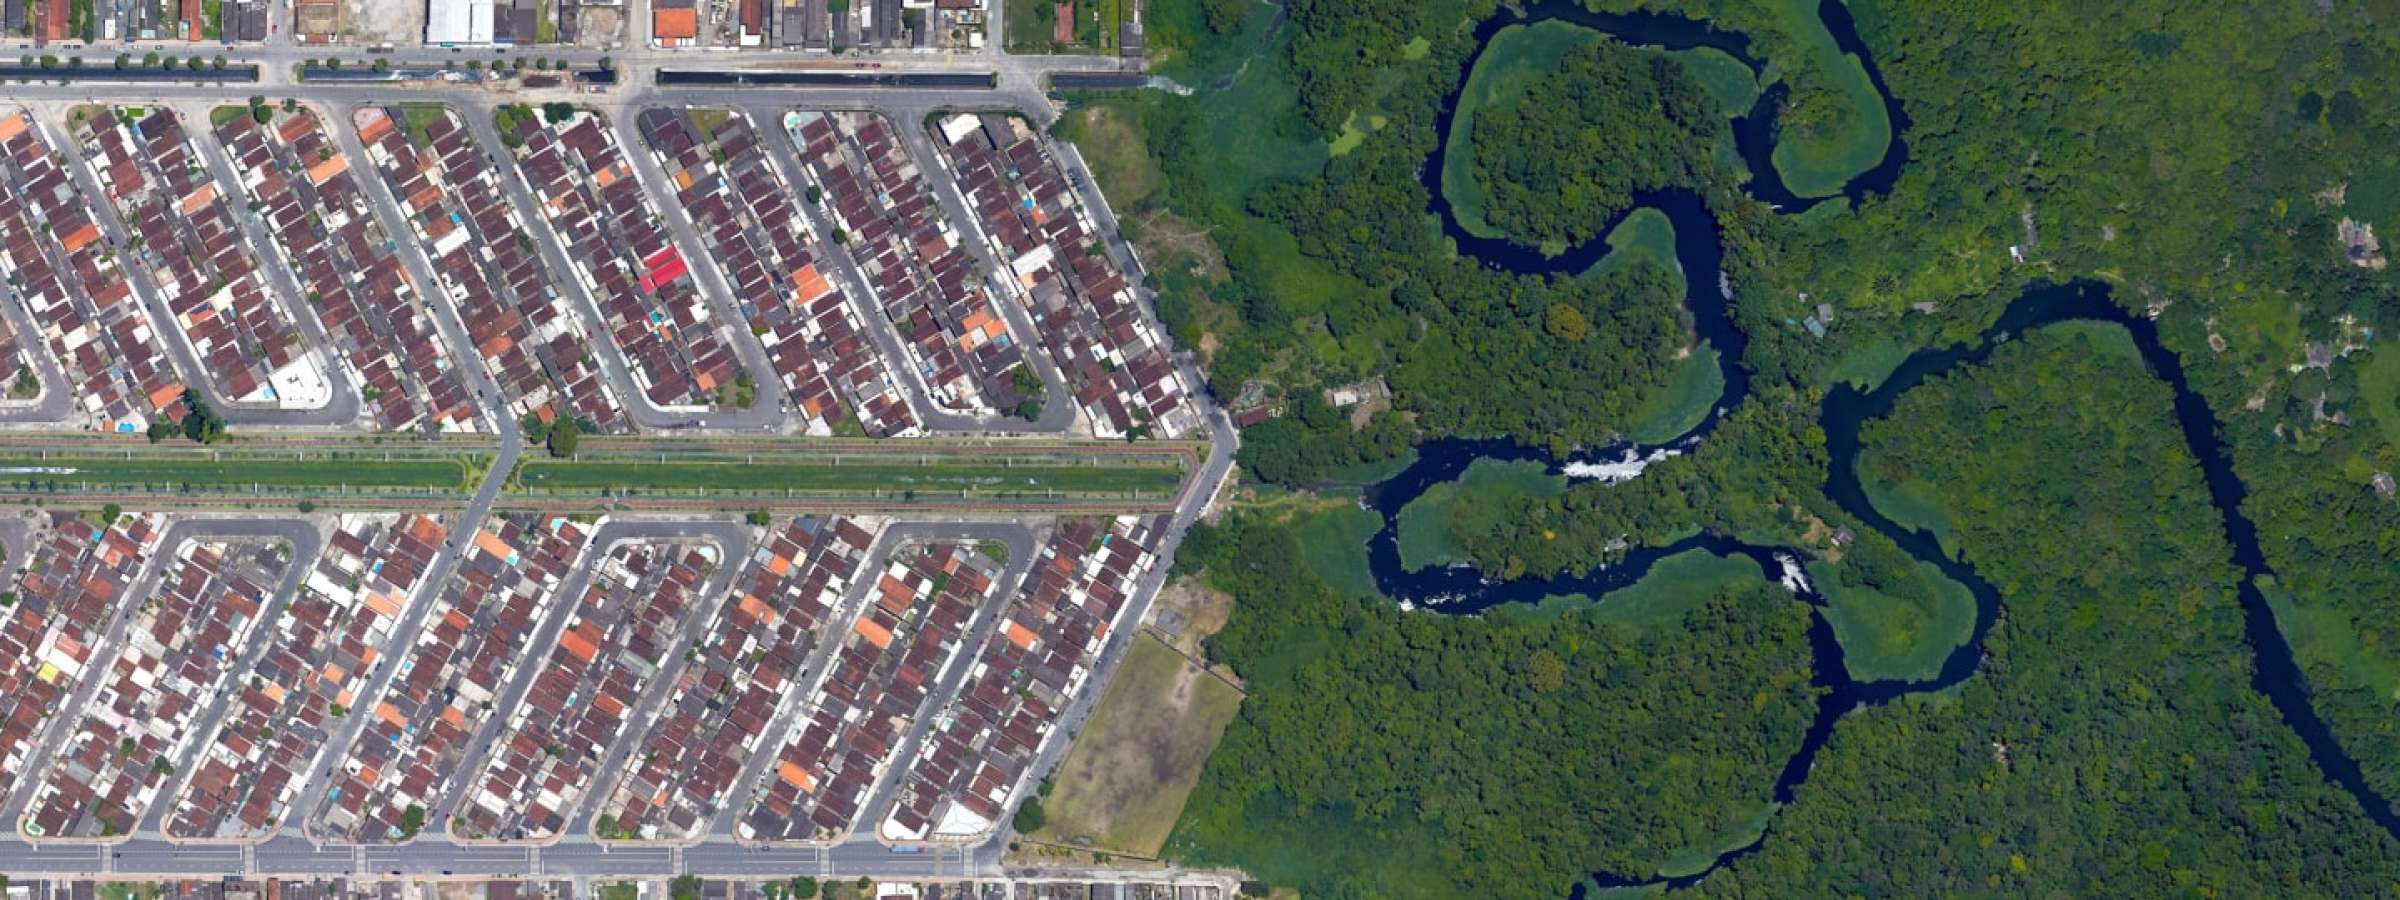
(1844, 412)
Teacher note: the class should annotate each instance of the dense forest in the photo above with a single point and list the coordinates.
(1573, 150)
(2110, 744)
(1437, 774)
(2220, 168)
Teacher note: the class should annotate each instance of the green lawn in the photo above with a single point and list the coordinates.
(2108, 336)
(1887, 637)
(1515, 58)
(1033, 479)
(170, 473)
(1818, 151)
(1124, 782)
(1363, 474)
(1431, 523)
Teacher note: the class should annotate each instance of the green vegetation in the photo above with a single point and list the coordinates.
(93, 468)
(1419, 755)
(1487, 488)
(1032, 26)
(1832, 127)
(2109, 742)
(1897, 618)
(1135, 761)
(2119, 671)
(1517, 57)
(876, 475)
(1558, 148)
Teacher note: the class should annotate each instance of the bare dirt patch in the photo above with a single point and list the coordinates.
(376, 21)
(1125, 782)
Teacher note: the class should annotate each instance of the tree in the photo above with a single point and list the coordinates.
(557, 112)
(1030, 816)
(1566, 323)
(564, 435)
(761, 518)
(804, 887)
(412, 820)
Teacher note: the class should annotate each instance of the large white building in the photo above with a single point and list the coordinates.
(458, 23)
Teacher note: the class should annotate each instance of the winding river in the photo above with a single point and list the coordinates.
(1844, 412)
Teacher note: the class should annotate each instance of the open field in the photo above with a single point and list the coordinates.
(1890, 638)
(1849, 134)
(1517, 56)
(1124, 783)
(1429, 525)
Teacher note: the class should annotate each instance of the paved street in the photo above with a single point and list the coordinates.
(289, 852)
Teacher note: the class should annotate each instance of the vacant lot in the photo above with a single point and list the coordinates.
(1124, 783)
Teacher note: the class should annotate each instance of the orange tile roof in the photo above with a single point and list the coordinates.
(875, 634)
(668, 24)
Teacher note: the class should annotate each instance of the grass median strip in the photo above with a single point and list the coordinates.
(180, 473)
(978, 477)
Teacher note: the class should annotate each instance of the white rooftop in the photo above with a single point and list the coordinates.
(458, 22)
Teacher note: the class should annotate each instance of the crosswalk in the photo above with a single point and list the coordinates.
(249, 859)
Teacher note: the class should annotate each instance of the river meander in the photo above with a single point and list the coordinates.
(1844, 412)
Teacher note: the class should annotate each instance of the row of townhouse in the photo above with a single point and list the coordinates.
(222, 303)
(447, 188)
(1086, 311)
(750, 663)
(626, 628)
(1047, 646)
(322, 226)
(331, 635)
(917, 261)
(855, 722)
(67, 592)
(743, 208)
(644, 288)
(401, 764)
(178, 652)
(67, 276)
